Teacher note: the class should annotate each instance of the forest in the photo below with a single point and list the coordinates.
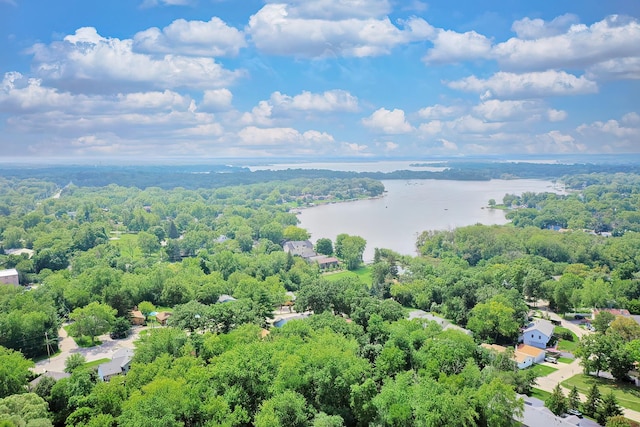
(93, 253)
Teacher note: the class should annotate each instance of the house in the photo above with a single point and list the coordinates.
(538, 333)
(444, 323)
(226, 298)
(281, 322)
(9, 277)
(323, 261)
(119, 364)
(55, 375)
(615, 311)
(537, 354)
(524, 355)
(301, 248)
(137, 318)
(162, 317)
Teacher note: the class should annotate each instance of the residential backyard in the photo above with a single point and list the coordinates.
(362, 273)
(542, 370)
(628, 395)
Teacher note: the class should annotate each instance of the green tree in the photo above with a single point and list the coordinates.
(145, 307)
(120, 328)
(607, 408)
(590, 406)
(73, 362)
(93, 320)
(573, 400)
(148, 243)
(602, 321)
(350, 249)
(324, 246)
(14, 372)
(294, 233)
(26, 409)
(284, 409)
(618, 421)
(493, 320)
(557, 402)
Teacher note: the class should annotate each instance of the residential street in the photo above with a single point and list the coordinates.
(103, 351)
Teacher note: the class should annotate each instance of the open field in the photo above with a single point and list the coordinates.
(627, 394)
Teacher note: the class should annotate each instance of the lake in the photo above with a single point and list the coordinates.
(410, 207)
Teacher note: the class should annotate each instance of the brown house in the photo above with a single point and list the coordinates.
(162, 317)
(137, 318)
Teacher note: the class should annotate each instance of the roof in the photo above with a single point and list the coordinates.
(122, 352)
(303, 248)
(521, 357)
(544, 326)
(494, 347)
(322, 259)
(226, 298)
(114, 367)
(281, 322)
(162, 316)
(51, 374)
(614, 311)
(528, 349)
(137, 314)
(8, 273)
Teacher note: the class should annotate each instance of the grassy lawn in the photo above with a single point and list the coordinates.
(627, 394)
(82, 341)
(565, 360)
(362, 273)
(540, 394)
(566, 345)
(542, 370)
(95, 363)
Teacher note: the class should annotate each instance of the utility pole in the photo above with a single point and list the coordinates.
(46, 337)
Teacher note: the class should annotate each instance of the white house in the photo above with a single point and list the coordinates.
(119, 364)
(535, 353)
(9, 277)
(538, 333)
(301, 248)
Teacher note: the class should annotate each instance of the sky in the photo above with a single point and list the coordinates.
(151, 79)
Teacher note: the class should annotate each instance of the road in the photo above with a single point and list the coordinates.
(68, 346)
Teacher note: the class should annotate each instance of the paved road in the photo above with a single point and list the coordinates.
(103, 351)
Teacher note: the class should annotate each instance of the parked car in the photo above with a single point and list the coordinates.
(575, 412)
(578, 317)
(551, 359)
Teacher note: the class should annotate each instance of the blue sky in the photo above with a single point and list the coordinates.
(313, 79)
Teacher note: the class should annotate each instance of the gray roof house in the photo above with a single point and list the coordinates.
(538, 333)
(119, 364)
(9, 277)
(301, 248)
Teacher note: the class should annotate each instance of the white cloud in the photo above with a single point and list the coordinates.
(448, 145)
(614, 69)
(354, 148)
(526, 85)
(336, 9)
(470, 124)
(217, 99)
(433, 127)
(438, 111)
(259, 115)
(94, 63)
(197, 38)
(287, 137)
(555, 142)
(275, 31)
(580, 46)
(529, 29)
(517, 110)
(450, 46)
(328, 101)
(388, 122)
(391, 146)
(154, 3)
(624, 129)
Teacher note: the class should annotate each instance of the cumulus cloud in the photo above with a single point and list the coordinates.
(336, 9)
(450, 46)
(616, 69)
(438, 111)
(580, 46)
(154, 3)
(328, 101)
(217, 99)
(448, 145)
(529, 29)
(388, 122)
(196, 38)
(470, 124)
(433, 127)
(527, 85)
(628, 127)
(89, 61)
(517, 110)
(556, 142)
(274, 30)
(281, 136)
(259, 115)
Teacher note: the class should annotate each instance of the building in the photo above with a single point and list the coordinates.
(323, 261)
(538, 333)
(537, 354)
(55, 375)
(226, 298)
(615, 311)
(301, 248)
(162, 317)
(137, 318)
(9, 277)
(524, 355)
(119, 364)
